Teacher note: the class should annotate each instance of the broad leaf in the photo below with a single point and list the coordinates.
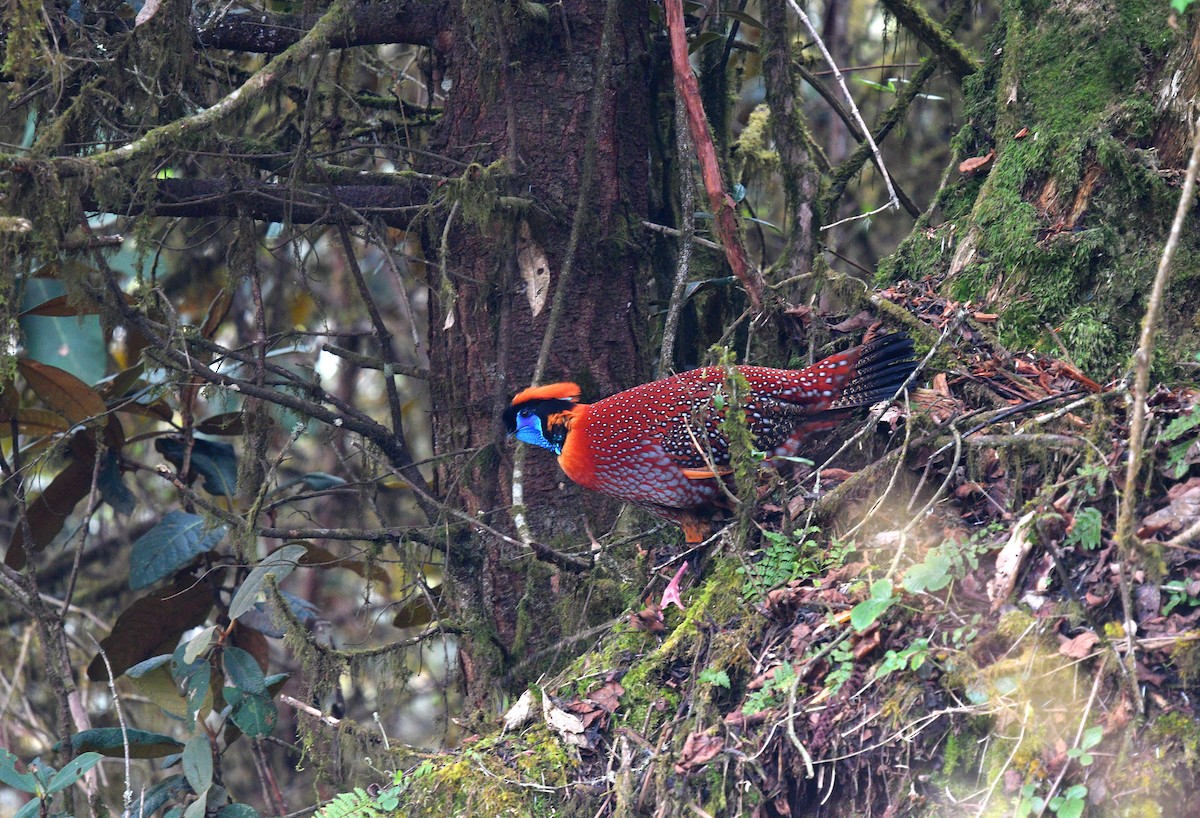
(243, 671)
(25, 782)
(213, 460)
(74, 770)
(278, 564)
(152, 625)
(178, 539)
(253, 713)
(62, 391)
(198, 762)
(108, 741)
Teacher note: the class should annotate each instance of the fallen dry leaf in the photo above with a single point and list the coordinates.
(1182, 510)
(520, 713)
(976, 162)
(1079, 647)
(699, 748)
(1009, 561)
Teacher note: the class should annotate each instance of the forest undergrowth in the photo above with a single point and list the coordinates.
(947, 628)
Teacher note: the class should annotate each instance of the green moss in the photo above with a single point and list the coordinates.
(1180, 731)
(1062, 232)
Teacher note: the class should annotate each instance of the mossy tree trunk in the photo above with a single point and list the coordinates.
(520, 113)
(1089, 108)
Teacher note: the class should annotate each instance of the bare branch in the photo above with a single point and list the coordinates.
(417, 22)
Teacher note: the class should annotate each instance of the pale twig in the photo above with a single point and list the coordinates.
(1137, 424)
(671, 231)
(1145, 350)
(687, 206)
(1099, 677)
(116, 698)
(893, 199)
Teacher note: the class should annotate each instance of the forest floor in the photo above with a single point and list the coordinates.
(950, 629)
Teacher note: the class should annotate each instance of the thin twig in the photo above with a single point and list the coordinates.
(893, 200)
(687, 206)
(1126, 540)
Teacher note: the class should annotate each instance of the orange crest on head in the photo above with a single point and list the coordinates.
(551, 391)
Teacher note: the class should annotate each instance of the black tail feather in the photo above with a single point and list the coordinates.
(883, 365)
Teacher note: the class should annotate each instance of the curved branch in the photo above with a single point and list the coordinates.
(338, 21)
(318, 204)
(914, 18)
(724, 214)
(416, 22)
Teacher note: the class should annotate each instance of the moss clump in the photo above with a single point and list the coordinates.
(1065, 226)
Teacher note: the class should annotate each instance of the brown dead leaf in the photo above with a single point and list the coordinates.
(699, 748)
(607, 696)
(854, 323)
(976, 163)
(1021, 134)
(1079, 647)
(1182, 510)
(867, 643)
(648, 619)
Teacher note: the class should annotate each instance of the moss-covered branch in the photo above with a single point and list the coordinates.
(914, 18)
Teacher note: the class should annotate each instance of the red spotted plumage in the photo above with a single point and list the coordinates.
(656, 444)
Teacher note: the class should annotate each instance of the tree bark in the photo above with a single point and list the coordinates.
(518, 108)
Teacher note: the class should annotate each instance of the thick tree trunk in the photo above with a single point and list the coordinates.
(1090, 110)
(519, 111)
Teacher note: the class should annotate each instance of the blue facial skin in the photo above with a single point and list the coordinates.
(529, 430)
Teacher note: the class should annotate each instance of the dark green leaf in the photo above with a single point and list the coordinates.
(243, 672)
(237, 811)
(742, 17)
(112, 486)
(198, 762)
(177, 540)
(215, 461)
(107, 741)
(74, 770)
(152, 800)
(254, 714)
(144, 667)
(704, 39)
(31, 808)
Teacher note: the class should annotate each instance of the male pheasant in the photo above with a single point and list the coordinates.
(657, 445)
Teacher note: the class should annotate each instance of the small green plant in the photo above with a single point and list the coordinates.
(1179, 440)
(867, 613)
(949, 561)
(910, 658)
(1090, 738)
(714, 677)
(1071, 801)
(1086, 531)
(784, 559)
(1091, 477)
(1180, 592)
(1069, 804)
(842, 659)
(772, 692)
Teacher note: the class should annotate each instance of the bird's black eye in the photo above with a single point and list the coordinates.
(525, 413)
